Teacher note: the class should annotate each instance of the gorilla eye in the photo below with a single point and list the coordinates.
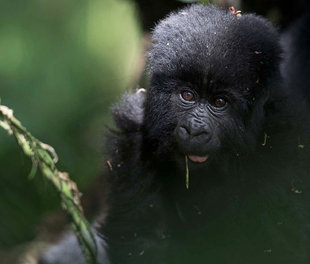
(219, 102)
(188, 96)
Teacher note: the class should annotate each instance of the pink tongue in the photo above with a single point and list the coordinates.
(197, 158)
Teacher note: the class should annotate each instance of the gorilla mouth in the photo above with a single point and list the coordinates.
(198, 159)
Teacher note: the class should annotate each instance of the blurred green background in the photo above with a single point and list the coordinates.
(62, 65)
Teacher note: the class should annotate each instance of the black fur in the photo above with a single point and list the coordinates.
(296, 66)
(249, 202)
(242, 205)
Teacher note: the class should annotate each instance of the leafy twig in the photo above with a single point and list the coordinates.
(44, 157)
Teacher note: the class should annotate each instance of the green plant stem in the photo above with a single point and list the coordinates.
(44, 157)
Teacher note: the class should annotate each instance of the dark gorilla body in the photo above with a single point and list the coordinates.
(216, 96)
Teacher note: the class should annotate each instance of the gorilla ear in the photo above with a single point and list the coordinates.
(128, 114)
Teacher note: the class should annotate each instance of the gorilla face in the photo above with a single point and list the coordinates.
(201, 123)
(197, 130)
(204, 117)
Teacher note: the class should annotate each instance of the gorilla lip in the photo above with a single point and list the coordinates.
(199, 159)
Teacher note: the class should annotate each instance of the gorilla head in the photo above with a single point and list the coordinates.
(211, 73)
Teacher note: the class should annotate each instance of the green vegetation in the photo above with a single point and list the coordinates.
(62, 64)
(44, 157)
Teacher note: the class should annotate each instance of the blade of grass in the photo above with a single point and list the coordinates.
(187, 173)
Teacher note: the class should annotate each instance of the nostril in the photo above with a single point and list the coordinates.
(183, 133)
(199, 132)
(201, 135)
(185, 130)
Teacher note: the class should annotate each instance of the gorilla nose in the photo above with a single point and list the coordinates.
(201, 134)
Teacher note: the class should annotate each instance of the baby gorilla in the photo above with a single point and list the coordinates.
(215, 107)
